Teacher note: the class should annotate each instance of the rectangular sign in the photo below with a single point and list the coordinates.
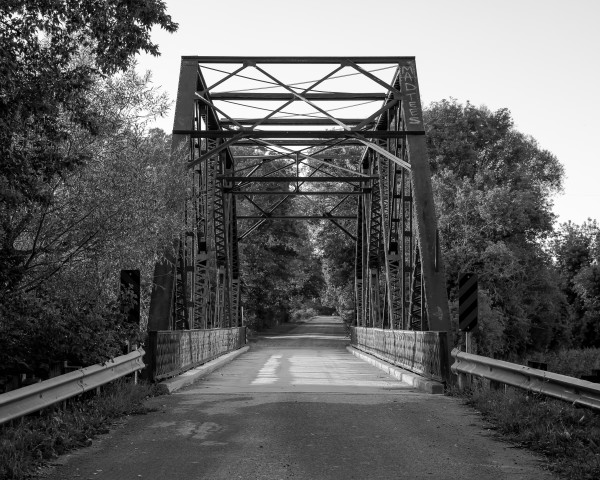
(467, 302)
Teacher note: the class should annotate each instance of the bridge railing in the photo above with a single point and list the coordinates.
(170, 352)
(562, 387)
(425, 353)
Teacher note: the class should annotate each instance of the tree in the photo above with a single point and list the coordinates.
(121, 206)
(334, 247)
(337, 252)
(587, 287)
(576, 250)
(116, 211)
(53, 52)
(280, 272)
(493, 190)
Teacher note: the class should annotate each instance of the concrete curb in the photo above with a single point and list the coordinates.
(195, 374)
(413, 379)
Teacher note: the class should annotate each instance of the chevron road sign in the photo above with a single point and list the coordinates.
(467, 302)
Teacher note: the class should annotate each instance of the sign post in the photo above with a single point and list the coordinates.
(129, 295)
(467, 315)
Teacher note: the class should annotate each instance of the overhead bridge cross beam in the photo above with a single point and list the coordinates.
(259, 135)
(293, 134)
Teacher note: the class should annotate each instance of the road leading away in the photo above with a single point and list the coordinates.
(299, 406)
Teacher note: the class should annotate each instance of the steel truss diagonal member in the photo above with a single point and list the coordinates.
(245, 130)
(341, 124)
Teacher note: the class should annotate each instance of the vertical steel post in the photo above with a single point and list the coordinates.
(235, 264)
(367, 200)
(165, 273)
(375, 245)
(358, 264)
(434, 281)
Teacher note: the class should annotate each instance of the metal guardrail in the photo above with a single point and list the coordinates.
(562, 387)
(20, 402)
(425, 353)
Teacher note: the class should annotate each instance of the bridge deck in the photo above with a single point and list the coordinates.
(310, 357)
(298, 406)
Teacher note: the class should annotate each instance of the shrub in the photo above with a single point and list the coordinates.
(574, 362)
(36, 329)
(303, 313)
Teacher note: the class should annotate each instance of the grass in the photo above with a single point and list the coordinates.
(31, 442)
(568, 436)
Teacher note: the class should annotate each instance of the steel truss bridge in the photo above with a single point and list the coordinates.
(259, 133)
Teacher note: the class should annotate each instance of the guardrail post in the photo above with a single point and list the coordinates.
(445, 357)
(463, 381)
(494, 385)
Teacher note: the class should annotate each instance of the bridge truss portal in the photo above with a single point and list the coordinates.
(261, 132)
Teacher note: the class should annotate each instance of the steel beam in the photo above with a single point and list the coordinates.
(289, 121)
(302, 142)
(288, 179)
(329, 193)
(358, 265)
(166, 275)
(297, 217)
(290, 134)
(296, 60)
(434, 278)
(285, 97)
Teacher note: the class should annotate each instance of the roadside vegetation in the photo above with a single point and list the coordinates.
(87, 188)
(30, 443)
(574, 362)
(567, 437)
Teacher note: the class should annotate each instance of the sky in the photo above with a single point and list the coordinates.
(538, 58)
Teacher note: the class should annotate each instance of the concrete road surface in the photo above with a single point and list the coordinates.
(299, 406)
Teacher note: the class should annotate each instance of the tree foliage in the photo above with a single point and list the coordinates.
(75, 168)
(114, 212)
(493, 189)
(281, 273)
(56, 326)
(576, 250)
(53, 52)
(333, 242)
(118, 208)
